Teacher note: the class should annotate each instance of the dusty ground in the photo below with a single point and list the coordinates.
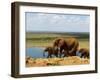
(37, 62)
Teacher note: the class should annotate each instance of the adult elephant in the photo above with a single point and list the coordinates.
(67, 47)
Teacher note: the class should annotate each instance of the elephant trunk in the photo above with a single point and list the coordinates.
(43, 53)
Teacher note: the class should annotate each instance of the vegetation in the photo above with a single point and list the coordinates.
(47, 39)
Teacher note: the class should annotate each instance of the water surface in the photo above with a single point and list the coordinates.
(35, 52)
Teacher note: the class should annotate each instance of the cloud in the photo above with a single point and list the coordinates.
(54, 22)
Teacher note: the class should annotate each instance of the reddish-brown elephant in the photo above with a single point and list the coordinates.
(51, 51)
(67, 47)
(84, 53)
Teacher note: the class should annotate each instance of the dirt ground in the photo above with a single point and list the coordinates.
(40, 62)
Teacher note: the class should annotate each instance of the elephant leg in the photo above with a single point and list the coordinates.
(56, 55)
(49, 55)
(66, 54)
(82, 55)
(60, 55)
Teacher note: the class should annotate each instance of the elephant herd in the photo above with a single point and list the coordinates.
(66, 48)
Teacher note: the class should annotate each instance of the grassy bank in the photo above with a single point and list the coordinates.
(47, 39)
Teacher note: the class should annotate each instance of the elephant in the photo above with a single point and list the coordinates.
(84, 53)
(51, 51)
(67, 47)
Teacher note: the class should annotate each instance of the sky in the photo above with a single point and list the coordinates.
(56, 22)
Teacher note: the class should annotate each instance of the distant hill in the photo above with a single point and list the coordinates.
(56, 34)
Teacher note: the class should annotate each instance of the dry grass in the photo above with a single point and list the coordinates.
(40, 62)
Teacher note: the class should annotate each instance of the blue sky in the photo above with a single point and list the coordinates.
(44, 22)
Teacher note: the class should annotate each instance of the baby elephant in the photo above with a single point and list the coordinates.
(51, 51)
(84, 53)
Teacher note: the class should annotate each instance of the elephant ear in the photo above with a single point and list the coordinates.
(57, 41)
(49, 48)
